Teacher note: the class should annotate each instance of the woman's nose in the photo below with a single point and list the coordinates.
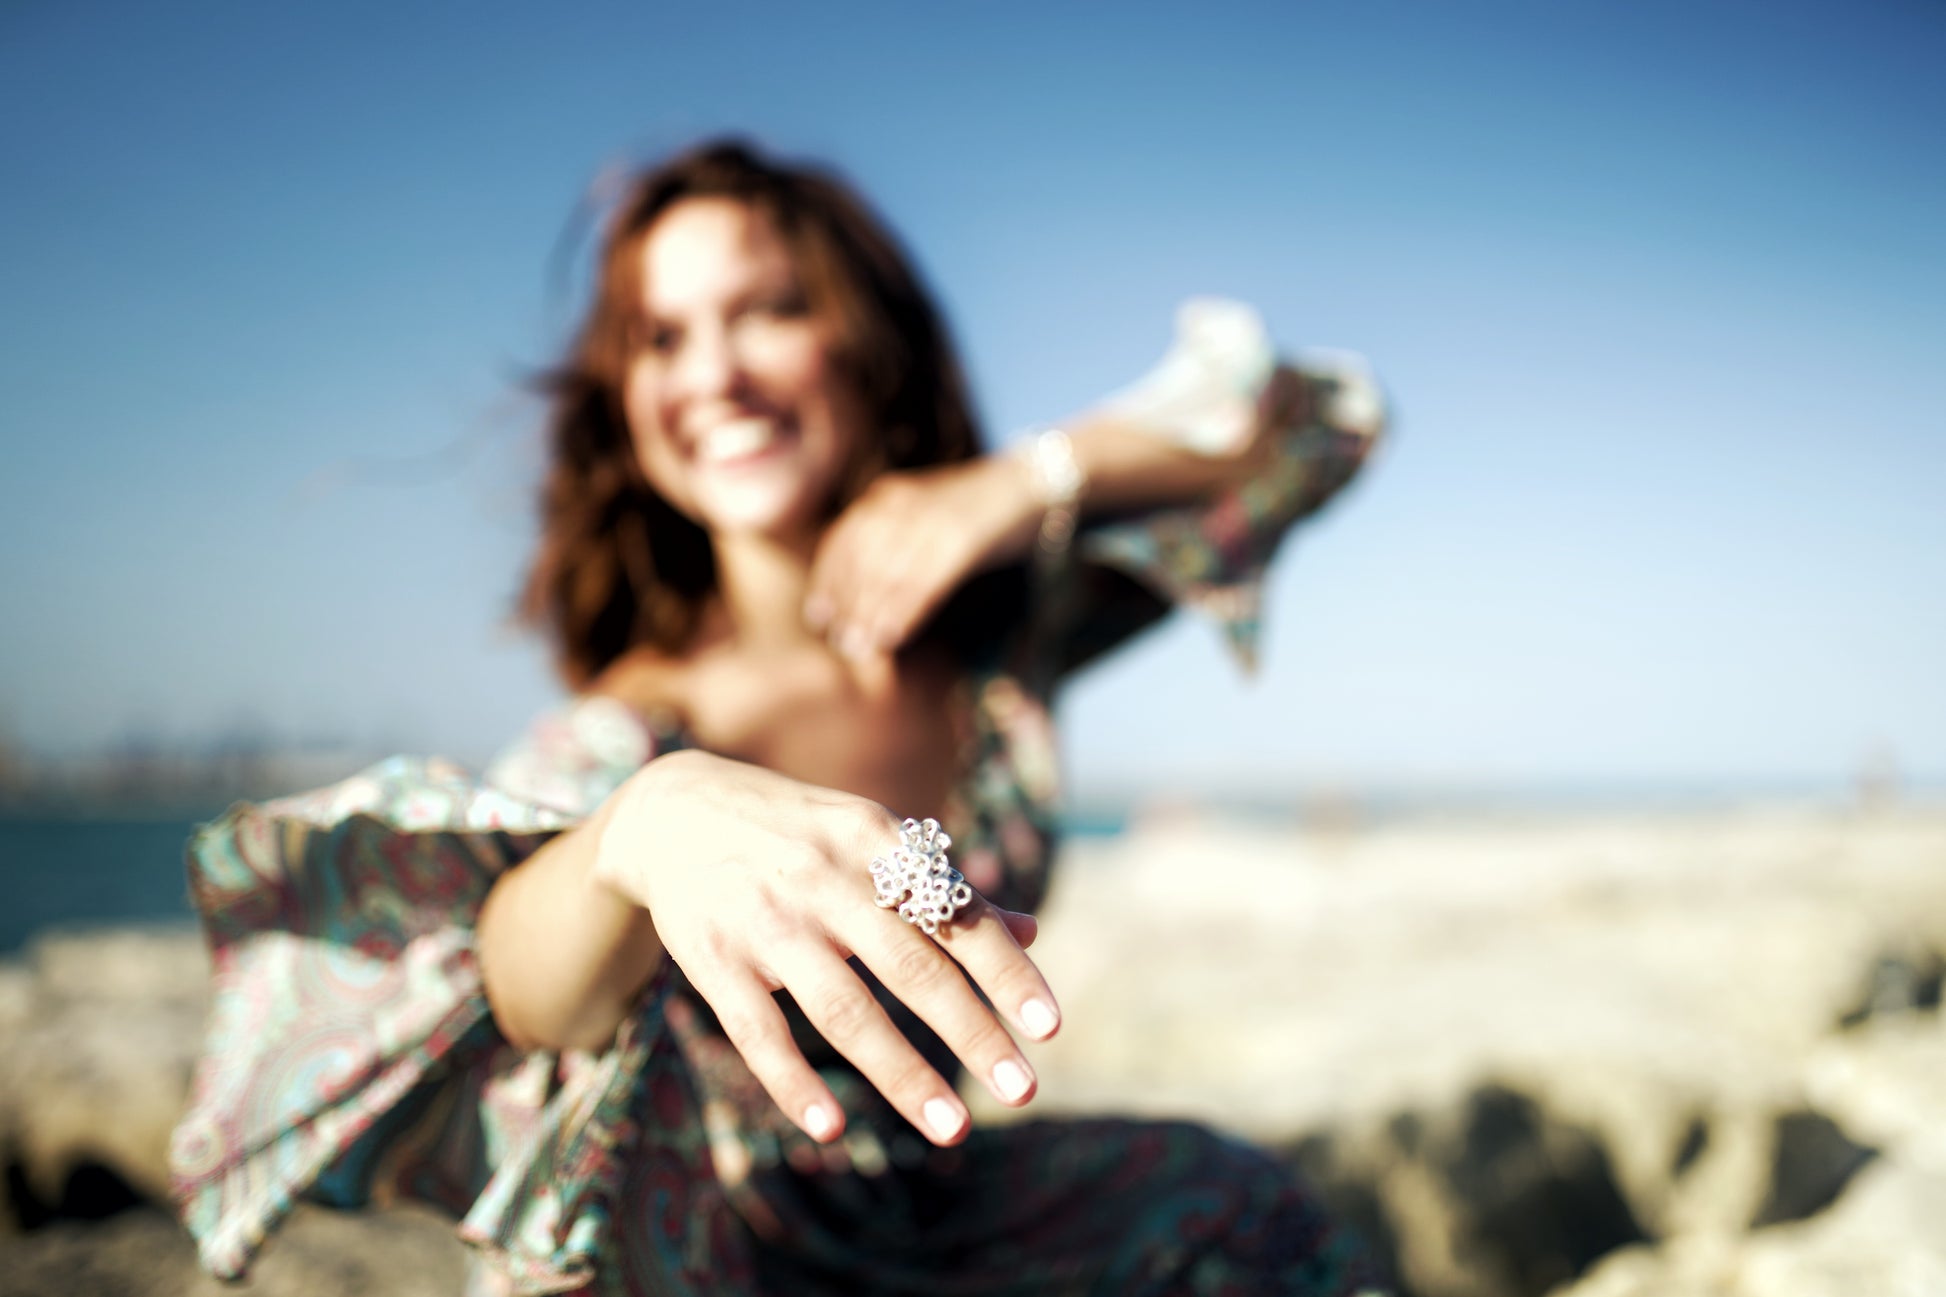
(707, 365)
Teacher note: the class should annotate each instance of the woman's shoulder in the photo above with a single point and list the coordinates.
(655, 685)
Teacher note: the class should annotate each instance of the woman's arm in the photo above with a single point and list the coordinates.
(912, 538)
(755, 883)
(563, 954)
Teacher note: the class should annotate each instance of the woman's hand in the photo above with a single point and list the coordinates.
(757, 883)
(904, 545)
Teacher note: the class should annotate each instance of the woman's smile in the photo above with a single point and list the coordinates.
(739, 442)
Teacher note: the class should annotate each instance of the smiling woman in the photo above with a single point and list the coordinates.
(626, 1004)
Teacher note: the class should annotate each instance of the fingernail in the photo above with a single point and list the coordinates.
(819, 1121)
(853, 642)
(1010, 1079)
(943, 1117)
(1037, 1016)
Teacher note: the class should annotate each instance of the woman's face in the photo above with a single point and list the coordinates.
(738, 415)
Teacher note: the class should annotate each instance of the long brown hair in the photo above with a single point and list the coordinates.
(617, 565)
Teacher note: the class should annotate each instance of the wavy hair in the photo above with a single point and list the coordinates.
(617, 565)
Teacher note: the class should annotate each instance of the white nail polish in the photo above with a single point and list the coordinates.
(1038, 1018)
(819, 1121)
(1010, 1079)
(943, 1117)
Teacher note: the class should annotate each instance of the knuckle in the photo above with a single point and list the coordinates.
(921, 969)
(746, 1031)
(716, 947)
(911, 1079)
(768, 920)
(864, 829)
(989, 1041)
(1004, 972)
(797, 862)
(845, 1015)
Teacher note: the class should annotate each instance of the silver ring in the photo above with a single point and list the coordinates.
(919, 880)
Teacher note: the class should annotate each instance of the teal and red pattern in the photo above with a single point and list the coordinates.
(351, 1057)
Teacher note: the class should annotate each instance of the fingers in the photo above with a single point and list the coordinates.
(925, 978)
(882, 569)
(842, 600)
(828, 590)
(981, 939)
(854, 597)
(754, 1024)
(848, 1016)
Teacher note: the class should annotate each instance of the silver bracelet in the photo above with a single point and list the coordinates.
(1057, 481)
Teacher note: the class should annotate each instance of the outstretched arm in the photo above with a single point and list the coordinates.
(912, 538)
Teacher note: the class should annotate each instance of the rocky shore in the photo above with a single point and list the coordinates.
(1668, 1055)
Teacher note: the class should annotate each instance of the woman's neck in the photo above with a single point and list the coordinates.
(762, 582)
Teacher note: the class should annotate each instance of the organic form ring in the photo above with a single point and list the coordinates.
(919, 880)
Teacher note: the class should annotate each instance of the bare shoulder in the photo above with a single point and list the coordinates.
(655, 684)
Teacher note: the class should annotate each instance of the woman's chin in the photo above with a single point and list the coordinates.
(758, 512)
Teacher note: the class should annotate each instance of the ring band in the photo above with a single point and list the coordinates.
(919, 880)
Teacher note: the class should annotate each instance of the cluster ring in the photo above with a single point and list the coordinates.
(919, 880)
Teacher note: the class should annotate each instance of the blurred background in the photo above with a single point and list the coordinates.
(1658, 290)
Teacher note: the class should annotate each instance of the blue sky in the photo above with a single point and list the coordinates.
(1659, 290)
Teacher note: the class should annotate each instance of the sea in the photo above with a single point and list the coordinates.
(75, 870)
(89, 869)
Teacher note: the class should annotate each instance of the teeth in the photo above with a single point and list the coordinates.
(736, 439)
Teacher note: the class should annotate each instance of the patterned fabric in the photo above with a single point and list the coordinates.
(351, 1056)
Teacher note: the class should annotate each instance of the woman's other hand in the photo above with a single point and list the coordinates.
(757, 883)
(904, 545)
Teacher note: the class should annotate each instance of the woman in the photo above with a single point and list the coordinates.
(678, 1049)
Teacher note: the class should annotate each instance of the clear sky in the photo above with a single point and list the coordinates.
(1659, 290)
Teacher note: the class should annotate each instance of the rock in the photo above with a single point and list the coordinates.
(1517, 1044)
(1592, 1056)
(1882, 1238)
(1812, 1161)
(1903, 981)
(1491, 1195)
(318, 1253)
(95, 1066)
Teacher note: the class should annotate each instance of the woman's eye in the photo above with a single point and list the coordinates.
(788, 307)
(659, 339)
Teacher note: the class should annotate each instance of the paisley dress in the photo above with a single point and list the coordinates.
(351, 1057)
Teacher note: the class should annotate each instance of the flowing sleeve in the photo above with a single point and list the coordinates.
(351, 1056)
(1211, 557)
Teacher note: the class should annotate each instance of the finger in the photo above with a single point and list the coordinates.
(926, 979)
(820, 594)
(846, 1014)
(849, 581)
(907, 606)
(754, 1024)
(835, 569)
(1023, 928)
(883, 574)
(983, 944)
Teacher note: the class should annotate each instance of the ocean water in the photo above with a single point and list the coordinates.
(71, 871)
(79, 870)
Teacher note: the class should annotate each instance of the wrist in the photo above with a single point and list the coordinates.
(1055, 483)
(617, 871)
